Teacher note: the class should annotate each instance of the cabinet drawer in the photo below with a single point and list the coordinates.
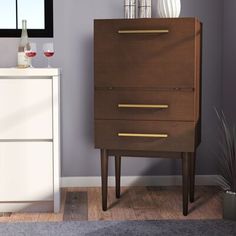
(26, 171)
(144, 105)
(145, 59)
(145, 135)
(26, 109)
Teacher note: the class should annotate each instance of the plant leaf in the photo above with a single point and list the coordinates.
(227, 157)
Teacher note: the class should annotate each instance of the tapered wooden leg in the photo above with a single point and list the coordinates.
(185, 174)
(117, 170)
(192, 162)
(104, 175)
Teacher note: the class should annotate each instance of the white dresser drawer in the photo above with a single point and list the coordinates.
(25, 108)
(26, 171)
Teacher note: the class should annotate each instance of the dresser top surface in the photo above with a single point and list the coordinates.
(151, 19)
(15, 72)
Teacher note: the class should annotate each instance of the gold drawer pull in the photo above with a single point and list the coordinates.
(142, 106)
(143, 31)
(143, 135)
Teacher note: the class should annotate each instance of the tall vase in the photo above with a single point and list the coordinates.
(168, 8)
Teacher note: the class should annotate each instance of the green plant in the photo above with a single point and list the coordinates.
(227, 157)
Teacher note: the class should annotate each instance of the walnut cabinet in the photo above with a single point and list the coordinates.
(147, 93)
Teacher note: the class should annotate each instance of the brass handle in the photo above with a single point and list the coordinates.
(142, 106)
(143, 31)
(143, 135)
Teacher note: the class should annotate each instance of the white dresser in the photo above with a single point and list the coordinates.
(29, 139)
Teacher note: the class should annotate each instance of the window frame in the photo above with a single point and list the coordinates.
(39, 33)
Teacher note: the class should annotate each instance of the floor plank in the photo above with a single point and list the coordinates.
(136, 203)
(140, 198)
(76, 206)
(94, 200)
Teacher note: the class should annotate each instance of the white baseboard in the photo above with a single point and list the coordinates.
(173, 180)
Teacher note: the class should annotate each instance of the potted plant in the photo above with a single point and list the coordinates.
(227, 161)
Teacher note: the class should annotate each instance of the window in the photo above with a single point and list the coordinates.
(38, 13)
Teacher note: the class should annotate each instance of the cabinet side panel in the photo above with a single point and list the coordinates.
(56, 143)
(198, 81)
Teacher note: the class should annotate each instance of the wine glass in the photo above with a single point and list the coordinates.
(48, 51)
(30, 51)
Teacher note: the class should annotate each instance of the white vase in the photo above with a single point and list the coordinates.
(168, 8)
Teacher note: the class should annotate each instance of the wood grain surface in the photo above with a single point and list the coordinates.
(180, 104)
(145, 60)
(136, 203)
(180, 135)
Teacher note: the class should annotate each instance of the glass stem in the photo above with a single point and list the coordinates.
(49, 62)
(30, 63)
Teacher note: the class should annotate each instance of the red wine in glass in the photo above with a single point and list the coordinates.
(48, 51)
(30, 54)
(48, 54)
(31, 51)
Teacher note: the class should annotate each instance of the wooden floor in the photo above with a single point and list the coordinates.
(136, 203)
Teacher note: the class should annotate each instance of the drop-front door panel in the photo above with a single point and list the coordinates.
(128, 55)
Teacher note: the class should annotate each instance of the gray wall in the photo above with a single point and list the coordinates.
(229, 57)
(73, 39)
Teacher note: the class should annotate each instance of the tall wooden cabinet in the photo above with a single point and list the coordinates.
(147, 93)
(29, 140)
